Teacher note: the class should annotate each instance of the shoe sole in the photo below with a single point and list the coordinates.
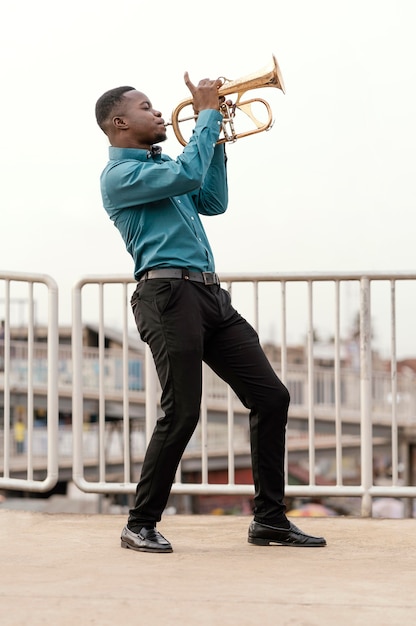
(258, 541)
(126, 545)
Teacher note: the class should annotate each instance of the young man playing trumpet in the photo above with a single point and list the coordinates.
(182, 312)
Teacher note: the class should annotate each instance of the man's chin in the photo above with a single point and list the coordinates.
(162, 137)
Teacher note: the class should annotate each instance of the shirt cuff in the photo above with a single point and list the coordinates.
(206, 117)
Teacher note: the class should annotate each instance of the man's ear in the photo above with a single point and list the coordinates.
(120, 123)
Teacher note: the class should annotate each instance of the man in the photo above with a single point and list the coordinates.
(20, 435)
(180, 309)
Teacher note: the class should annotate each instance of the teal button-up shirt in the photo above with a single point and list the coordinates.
(155, 201)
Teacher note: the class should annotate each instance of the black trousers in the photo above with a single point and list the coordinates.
(186, 323)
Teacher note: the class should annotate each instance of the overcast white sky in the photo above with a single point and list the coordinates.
(330, 187)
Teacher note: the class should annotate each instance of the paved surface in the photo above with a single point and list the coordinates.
(60, 569)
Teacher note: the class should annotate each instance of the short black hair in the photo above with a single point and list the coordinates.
(106, 103)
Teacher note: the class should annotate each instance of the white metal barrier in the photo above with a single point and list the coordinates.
(344, 383)
(21, 298)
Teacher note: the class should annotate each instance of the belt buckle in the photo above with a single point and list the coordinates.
(209, 278)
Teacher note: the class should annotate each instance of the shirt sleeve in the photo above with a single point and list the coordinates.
(212, 197)
(131, 182)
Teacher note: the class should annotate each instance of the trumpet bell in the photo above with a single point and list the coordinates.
(269, 76)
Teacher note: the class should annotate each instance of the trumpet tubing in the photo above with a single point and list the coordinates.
(269, 76)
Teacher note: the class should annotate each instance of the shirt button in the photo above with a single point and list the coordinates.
(192, 218)
(213, 145)
(179, 201)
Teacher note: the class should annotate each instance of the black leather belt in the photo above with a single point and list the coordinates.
(208, 278)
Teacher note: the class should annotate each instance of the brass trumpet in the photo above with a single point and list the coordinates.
(269, 76)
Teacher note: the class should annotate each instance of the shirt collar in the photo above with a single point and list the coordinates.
(118, 154)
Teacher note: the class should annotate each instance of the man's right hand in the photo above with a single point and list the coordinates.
(205, 94)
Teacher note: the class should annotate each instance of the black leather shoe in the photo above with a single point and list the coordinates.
(146, 540)
(264, 535)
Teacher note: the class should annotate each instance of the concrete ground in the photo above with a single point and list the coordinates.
(62, 569)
